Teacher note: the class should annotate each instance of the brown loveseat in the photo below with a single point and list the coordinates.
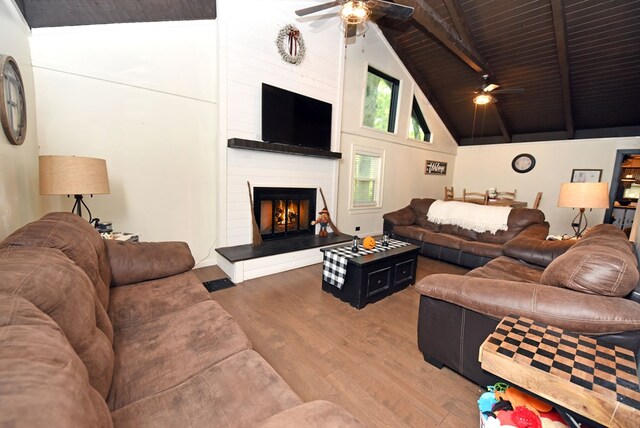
(102, 333)
(457, 245)
(588, 287)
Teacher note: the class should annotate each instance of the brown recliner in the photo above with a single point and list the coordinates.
(588, 287)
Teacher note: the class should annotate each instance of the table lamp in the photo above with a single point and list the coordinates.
(73, 175)
(583, 196)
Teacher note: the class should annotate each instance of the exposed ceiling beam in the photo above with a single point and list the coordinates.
(426, 17)
(560, 29)
(460, 22)
(462, 47)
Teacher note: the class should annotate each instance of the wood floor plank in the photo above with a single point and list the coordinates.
(365, 360)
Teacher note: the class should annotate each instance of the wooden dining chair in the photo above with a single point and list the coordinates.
(536, 202)
(507, 195)
(448, 193)
(481, 198)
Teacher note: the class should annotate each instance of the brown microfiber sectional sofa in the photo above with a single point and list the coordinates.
(102, 333)
(454, 244)
(589, 287)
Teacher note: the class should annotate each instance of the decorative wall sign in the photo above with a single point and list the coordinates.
(291, 44)
(436, 168)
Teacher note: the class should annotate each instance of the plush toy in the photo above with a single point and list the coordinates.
(323, 221)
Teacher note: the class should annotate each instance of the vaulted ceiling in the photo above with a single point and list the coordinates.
(578, 61)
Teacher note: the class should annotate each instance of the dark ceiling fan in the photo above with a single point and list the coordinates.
(354, 13)
(485, 93)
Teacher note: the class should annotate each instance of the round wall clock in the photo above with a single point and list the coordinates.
(522, 163)
(13, 114)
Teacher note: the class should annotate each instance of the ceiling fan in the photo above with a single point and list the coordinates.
(485, 93)
(356, 13)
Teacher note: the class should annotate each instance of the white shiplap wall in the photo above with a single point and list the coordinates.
(249, 57)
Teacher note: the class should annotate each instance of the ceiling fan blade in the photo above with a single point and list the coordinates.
(394, 10)
(491, 87)
(509, 91)
(318, 8)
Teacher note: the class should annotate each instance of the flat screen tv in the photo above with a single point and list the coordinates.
(295, 119)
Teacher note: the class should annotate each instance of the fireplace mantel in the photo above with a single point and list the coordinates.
(239, 143)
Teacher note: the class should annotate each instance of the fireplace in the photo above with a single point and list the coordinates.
(284, 212)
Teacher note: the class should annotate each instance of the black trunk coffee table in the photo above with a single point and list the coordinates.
(369, 275)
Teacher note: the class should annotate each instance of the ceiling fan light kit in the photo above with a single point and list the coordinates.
(483, 99)
(355, 12)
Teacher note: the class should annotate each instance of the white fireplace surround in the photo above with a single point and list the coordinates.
(264, 169)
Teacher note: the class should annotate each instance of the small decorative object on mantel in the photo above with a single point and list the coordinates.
(291, 44)
(323, 221)
(436, 168)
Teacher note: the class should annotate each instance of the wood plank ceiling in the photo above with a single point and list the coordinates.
(577, 60)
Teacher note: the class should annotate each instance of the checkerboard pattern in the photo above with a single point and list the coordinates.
(597, 366)
(335, 260)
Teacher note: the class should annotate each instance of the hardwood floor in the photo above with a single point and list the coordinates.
(366, 360)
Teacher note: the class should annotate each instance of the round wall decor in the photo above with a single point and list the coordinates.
(13, 111)
(522, 163)
(291, 44)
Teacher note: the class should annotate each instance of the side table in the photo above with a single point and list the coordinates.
(581, 374)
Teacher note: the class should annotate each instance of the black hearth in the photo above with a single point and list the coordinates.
(283, 212)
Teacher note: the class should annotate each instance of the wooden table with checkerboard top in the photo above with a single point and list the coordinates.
(589, 377)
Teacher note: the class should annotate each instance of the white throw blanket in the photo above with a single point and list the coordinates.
(481, 218)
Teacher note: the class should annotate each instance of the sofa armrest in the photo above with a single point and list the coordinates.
(402, 217)
(535, 250)
(317, 413)
(133, 262)
(568, 309)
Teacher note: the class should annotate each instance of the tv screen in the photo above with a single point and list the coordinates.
(295, 119)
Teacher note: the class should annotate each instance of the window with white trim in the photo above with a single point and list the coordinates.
(366, 178)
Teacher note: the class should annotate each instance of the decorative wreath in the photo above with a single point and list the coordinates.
(291, 44)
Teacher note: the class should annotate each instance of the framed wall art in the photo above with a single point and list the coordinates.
(586, 175)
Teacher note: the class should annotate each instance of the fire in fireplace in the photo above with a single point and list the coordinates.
(283, 212)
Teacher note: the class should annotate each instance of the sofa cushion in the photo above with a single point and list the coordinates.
(76, 238)
(132, 262)
(60, 289)
(242, 390)
(421, 208)
(132, 305)
(164, 352)
(508, 269)
(413, 231)
(442, 239)
(593, 269)
(43, 383)
(482, 249)
(518, 220)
